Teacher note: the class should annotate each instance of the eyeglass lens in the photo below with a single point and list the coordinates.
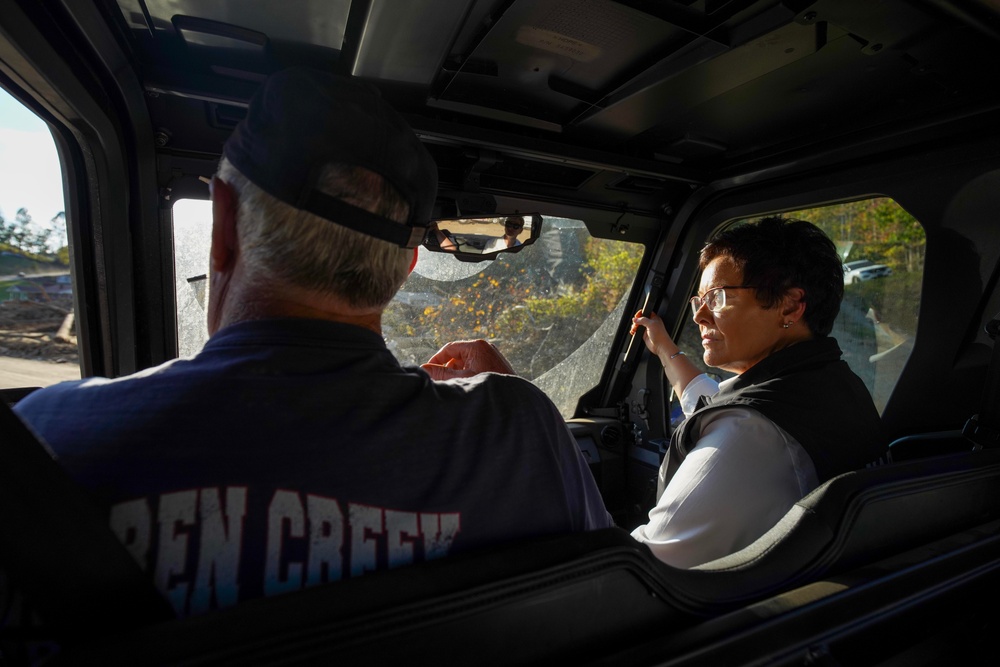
(715, 299)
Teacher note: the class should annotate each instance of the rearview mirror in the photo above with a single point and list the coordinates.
(484, 237)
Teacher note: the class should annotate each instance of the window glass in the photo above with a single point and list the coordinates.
(883, 251)
(192, 222)
(551, 309)
(38, 343)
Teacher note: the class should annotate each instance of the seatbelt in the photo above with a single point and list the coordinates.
(58, 550)
(983, 428)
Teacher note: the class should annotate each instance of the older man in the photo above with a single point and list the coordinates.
(294, 449)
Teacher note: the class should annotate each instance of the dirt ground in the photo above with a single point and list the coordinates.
(37, 331)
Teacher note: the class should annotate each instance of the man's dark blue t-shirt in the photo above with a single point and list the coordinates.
(294, 452)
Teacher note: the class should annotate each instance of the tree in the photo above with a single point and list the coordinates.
(24, 235)
(538, 319)
(6, 229)
(58, 240)
(33, 238)
(878, 229)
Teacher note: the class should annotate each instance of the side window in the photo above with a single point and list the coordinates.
(192, 226)
(882, 247)
(38, 343)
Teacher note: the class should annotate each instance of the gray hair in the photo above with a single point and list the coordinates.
(283, 244)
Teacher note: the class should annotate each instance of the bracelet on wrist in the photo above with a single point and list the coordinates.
(676, 354)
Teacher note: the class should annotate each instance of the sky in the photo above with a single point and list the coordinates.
(29, 166)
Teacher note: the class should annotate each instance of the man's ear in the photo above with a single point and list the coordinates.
(224, 208)
(413, 263)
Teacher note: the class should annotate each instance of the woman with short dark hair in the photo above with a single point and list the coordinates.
(794, 416)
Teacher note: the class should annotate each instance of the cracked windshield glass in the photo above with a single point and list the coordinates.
(551, 309)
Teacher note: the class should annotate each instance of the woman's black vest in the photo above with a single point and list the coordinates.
(812, 394)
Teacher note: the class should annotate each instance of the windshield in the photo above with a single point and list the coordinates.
(552, 309)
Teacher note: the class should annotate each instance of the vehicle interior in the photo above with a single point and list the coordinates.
(624, 133)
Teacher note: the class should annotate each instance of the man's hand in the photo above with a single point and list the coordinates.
(466, 358)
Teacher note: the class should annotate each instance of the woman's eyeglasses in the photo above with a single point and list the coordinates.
(715, 298)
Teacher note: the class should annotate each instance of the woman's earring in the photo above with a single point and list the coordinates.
(786, 325)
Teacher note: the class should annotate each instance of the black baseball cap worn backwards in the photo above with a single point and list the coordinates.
(301, 120)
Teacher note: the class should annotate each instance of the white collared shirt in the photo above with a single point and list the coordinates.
(740, 478)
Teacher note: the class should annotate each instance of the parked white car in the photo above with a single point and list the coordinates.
(864, 269)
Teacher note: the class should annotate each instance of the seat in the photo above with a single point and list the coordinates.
(572, 596)
(922, 445)
(853, 519)
(982, 429)
(577, 597)
(58, 551)
(12, 395)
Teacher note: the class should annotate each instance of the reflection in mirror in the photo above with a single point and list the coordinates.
(484, 237)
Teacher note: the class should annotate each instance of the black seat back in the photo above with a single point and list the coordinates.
(581, 595)
(981, 430)
(935, 443)
(855, 519)
(571, 597)
(585, 594)
(57, 549)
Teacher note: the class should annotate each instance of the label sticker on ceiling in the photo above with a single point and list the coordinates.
(554, 42)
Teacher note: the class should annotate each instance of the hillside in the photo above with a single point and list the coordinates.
(35, 313)
(13, 263)
(37, 331)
